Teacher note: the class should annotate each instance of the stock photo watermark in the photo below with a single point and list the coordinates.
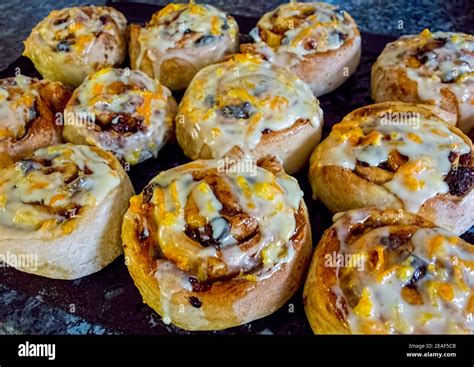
(78, 119)
(244, 166)
(408, 119)
(24, 261)
(338, 260)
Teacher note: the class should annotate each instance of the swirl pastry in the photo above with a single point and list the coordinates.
(390, 272)
(397, 155)
(122, 111)
(249, 106)
(63, 206)
(180, 40)
(213, 245)
(28, 119)
(319, 42)
(71, 43)
(434, 68)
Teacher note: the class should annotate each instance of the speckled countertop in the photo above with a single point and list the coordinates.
(18, 312)
(394, 17)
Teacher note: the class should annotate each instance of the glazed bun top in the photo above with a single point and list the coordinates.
(305, 28)
(17, 105)
(406, 148)
(78, 30)
(129, 113)
(80, 40)
(189, 26)
(236, 102)
(217, 219)
(46, 192)
(435, 60)
(402, 275)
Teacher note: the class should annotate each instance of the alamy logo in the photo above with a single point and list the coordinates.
(28, 261)
(408, 118)
(338, 260)
(37, 350)
(237, 166)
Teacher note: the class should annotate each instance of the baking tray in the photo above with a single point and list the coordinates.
(109, 297)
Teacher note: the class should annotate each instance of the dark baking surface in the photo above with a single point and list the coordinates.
(108, 302)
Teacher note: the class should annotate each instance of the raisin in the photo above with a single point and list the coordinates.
(61, 20)
(203, 235)
(419, 273)
(396, 242)
(240, 111)
(204, 41)
(121, 123)
(342, 36)
(465, 160)
(196, 284)
(71, 212)
(246, 38)
(453, 157)
(104, 18)
(460, 180)
(310, 44)
(64, 46)
(363, 164)
(195, 302)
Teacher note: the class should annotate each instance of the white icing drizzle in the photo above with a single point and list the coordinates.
(427, 145)
(77, 29)
(111, 93)
(17, 99)
(272, 200)
(171, 280)
(449, 65)
(295, 30)
(445, 290)
(199, 34)
(231, 103)
(40, 180)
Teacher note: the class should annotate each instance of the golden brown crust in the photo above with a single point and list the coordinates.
(326, 312)
(135, 133)
(327, 71)
(71, 43)
(394, 76)
(342, 189)
(324, 71)
(175, 62)
(79, 246)
(263, 111)
(223, 303)
(45, 129)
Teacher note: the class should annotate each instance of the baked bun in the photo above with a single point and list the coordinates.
(28, 114)
(71, 43)
(434, 68)
(248, 106)
(212, 245)
(122, 111)
(397, 155)
(63, 207)
(318, 42)
(390, 272)
(180, 40)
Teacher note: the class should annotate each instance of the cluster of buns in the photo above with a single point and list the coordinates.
(226, 239)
